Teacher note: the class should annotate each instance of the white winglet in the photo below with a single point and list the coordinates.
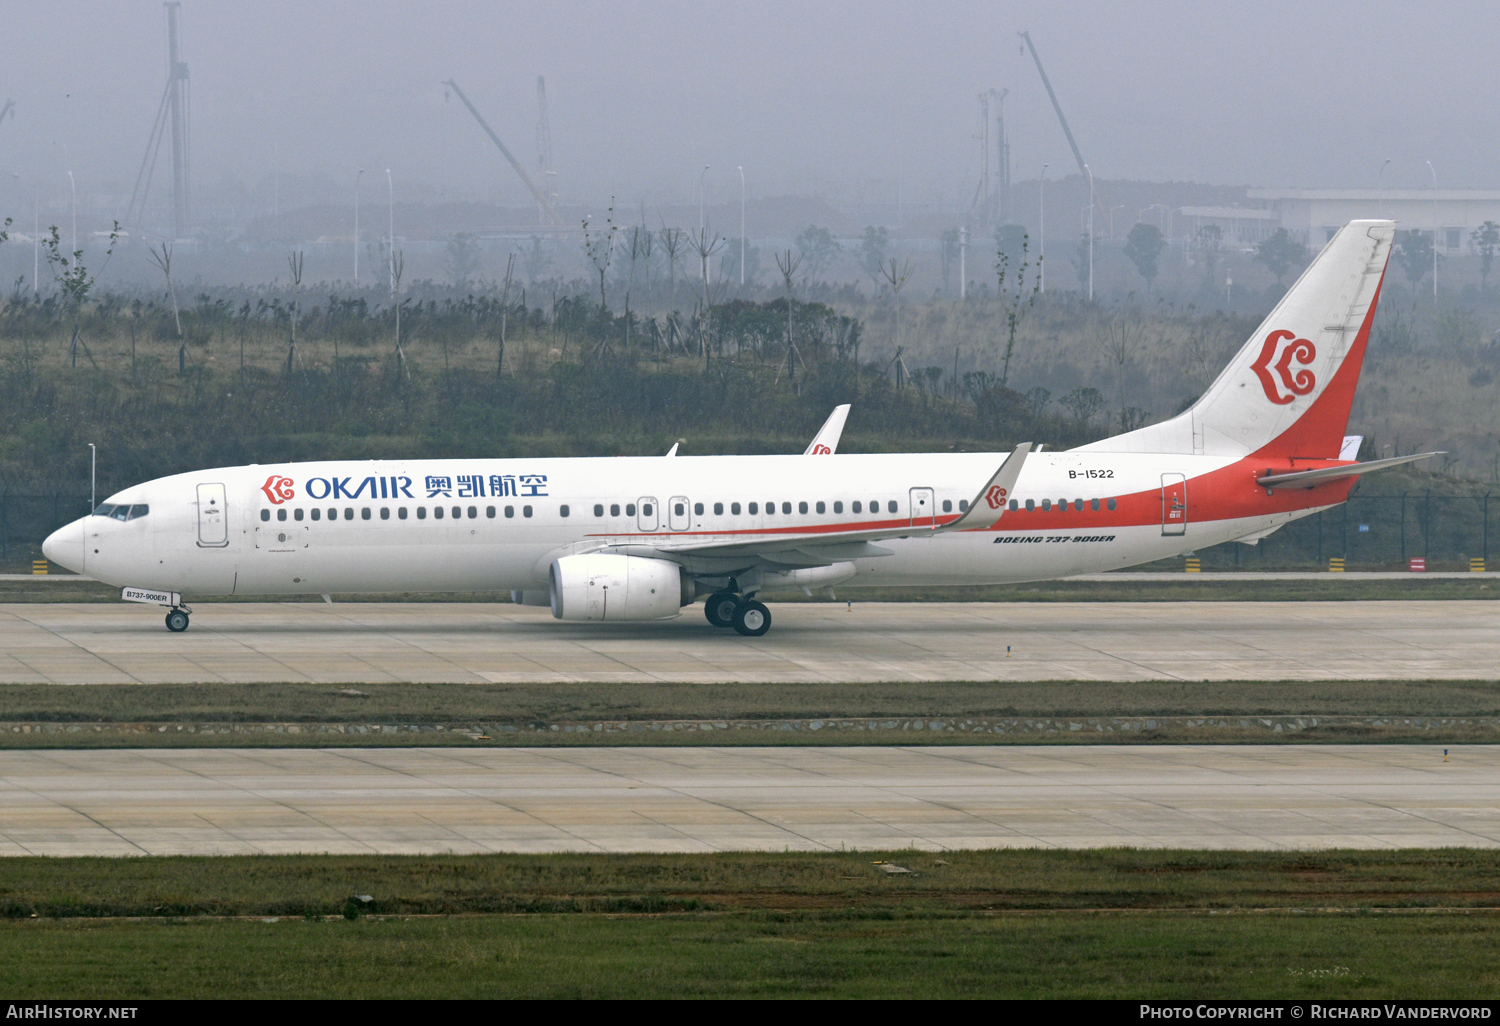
(826, 442)
(989, 504)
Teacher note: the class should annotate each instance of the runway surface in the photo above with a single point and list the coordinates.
(228, 801)
(374, 642)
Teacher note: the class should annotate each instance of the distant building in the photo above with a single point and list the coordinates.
(1238, 226)
(1313, 215)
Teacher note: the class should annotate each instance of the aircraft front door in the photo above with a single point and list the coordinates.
(213, 521)
(647, 515)
(1174, 513)
(923, 508)
(679, 513)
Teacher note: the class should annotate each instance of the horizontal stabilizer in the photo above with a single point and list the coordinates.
(1308, 478)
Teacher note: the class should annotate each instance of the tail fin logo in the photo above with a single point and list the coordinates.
(279, 489)
(1284, 385)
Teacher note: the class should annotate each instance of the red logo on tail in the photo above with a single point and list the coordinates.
(822, 450)
(278, 489)
(995, 496)
(1284, 347)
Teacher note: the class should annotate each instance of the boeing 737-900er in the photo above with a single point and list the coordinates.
(639, 538)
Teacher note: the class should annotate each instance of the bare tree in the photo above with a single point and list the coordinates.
(161, 256)
(1015, 299)
(705, 243)
(1119, 341)
(896, 277)
(295, 263)
(510, 269)
(639, 249)
(672, 243)
(600, 249)
(398, 265)
(787, 264)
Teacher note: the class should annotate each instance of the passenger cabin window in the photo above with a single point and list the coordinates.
(857, 506)
(525, 511)
(385, 513)
(770, 508)
(489, 511)
(333, 514)
(801, 507)
(820, 507)
(563, 510)
(265, 514)
(421, 512)
(754, 508)
(947, 505)
(734, 508)
(629, 509)
(963, 505)
(838, 506)
(364, 513)
(1030, 505)
(718, 509)
(1013, 505)
(891, 506)
(317, 514)
(474, 512)
(599, 509)
(645, 509)
(1094, 504)
(297, 514)
(510, 511)
(458, 512)
(437, 512)
(401, 512)
(697, 509)
(1047, 505)
(786, 507)
(614, 509)
(679, 509)
(1110, 503)
(280, 515)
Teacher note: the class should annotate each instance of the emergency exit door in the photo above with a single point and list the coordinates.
(1174, 513)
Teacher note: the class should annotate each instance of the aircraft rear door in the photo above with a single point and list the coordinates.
(1174, 514)
(923, 508)
(213, 521)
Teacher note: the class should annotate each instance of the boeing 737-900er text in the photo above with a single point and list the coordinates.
(638, 538)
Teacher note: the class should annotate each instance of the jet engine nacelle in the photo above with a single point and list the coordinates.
(600, 586)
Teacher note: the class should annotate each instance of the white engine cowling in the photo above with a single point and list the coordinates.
(601, 586)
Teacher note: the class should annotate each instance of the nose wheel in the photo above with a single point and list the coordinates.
(177, 621)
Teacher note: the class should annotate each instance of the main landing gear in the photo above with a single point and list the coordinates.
(177, 620)
(745, 615)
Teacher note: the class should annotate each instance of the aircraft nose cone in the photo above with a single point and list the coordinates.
(65, 546)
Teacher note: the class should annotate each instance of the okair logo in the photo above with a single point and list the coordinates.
(1281, 348)
(278, 489)
(822, 450)
(995, 496)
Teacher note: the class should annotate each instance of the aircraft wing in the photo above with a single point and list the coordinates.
(826, 441)
(820, 546)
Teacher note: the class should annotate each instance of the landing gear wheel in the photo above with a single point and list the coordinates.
(177, 621)
(752, 618)
(719, 609)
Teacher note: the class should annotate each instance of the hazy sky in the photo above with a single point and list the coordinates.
(847, 99)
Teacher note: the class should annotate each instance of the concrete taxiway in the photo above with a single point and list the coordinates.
(876, 641)
(409, 801)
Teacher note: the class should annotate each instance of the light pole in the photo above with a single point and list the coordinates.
(356, 225)
(73, 211)
(1041, 232)
(1091, 231)
(1380, 176)
(963, 263)
(391, 207)
(93, 466)
(742, 225)
(1434, 228)
(700, 197)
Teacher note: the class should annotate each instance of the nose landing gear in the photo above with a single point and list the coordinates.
(177, 620)
(747, 616)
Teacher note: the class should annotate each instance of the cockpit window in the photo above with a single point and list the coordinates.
(122, 511)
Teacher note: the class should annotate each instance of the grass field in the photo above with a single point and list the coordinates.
(155, 715)
(1110, 923)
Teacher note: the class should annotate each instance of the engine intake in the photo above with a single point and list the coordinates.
(601, 586)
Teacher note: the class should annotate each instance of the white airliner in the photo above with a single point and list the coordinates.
(639, 538)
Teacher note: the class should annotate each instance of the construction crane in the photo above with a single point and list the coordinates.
(9, 108)
(548, 212)
(545, 140)
(1062, 120)
(173, 110)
